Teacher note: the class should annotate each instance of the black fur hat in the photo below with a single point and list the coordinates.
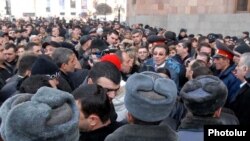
(44, 66)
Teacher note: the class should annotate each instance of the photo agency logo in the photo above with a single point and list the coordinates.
(239, 132)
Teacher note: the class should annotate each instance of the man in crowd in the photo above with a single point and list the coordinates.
(149, 99)
(95, 109)
(223, 60)
(239, 106)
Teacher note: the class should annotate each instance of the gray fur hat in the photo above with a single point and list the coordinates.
(204, 95)
(150, 97)
(49, 115)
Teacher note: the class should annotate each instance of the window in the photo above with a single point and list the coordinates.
(62, 4)
(48, 6)
(73, 3)
(47, 9)
(242, 5)
(29, 14)
(73, 13)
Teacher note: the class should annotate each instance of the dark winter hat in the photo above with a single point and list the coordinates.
(150, 97)
(223, 51)
(204, 95)
(242, 48)
(155, 39)
(170, 36)
(23, 30)
(69, 46)
(44, 65)
(235, 39)
(84, 39)
(246, 32)
(98, 44)
(212, 37)
(52, 43)
(93, 30)
(50, 114)
(183, 30)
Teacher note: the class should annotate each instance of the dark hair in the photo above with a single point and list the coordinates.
(202, 39)
(204, 44)
(76, 26)
(143, 47)
(20, 46)
(204, 54)
(10, 45)
(194, 40)
(30, 46)
(69, 46)
(114, 32)
(136, 31)
(186, 44)
(98, 44)
(33, 83)
(198, 63)
(25, 63)
(94, 100)
(162, 46)
(201, 70)
(107, 70)
(201, 45)
(192, 36)
(164, 71)
(227, 37)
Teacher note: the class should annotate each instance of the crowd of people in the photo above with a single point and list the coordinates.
(95, 81)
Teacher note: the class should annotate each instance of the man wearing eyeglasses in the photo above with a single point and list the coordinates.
(108, 76)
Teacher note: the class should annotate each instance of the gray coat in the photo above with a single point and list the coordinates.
(134, 132)
(191, 128)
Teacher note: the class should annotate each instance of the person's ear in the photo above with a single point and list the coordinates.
(90, 81)
(63, 66)
(130, 118)
(93, 120)
(217, 113)
(228, 61)
(28, 73)
(245, 68)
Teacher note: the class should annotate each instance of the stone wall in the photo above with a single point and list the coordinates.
(198, 16)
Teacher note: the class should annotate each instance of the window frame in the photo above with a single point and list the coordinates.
(238, 11)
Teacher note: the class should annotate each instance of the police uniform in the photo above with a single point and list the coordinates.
(229, 79)
(223, 51)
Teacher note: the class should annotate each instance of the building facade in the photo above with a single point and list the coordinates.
(45, 8)
(62, 8)
(229, 17)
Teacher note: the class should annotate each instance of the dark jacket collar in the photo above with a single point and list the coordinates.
(196, 123)
(131, 132)
(99, 134)
(227, 71)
